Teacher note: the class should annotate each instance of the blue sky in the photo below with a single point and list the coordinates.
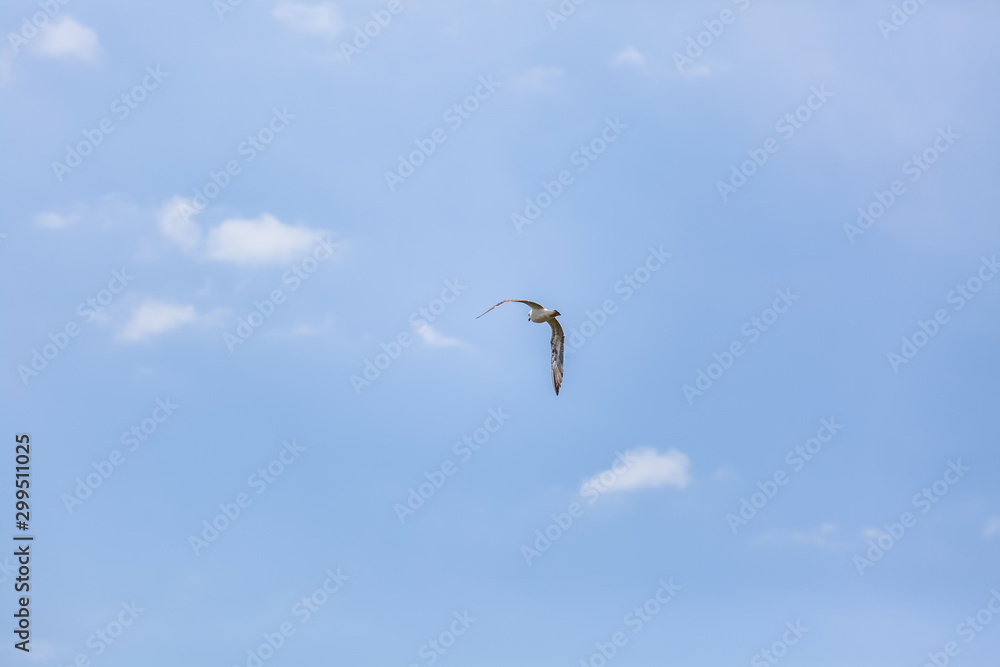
(243, 256)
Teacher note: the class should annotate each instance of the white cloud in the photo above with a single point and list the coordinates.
(65, 38)
(991, 527)
(640, 468)
(629, 57)
(261, 241)
(541, 79)
(155, 317)
(435, 338)
(321, 19)
(176, 222)
(54, 220)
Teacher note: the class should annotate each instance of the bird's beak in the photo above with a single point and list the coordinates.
(558, 314)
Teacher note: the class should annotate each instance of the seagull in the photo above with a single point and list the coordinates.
(538, 315)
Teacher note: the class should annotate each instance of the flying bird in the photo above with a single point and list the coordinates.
(539, 314)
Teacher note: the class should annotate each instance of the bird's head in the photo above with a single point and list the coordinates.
(557, 314)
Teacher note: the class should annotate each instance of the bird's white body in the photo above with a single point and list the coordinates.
(541, 315)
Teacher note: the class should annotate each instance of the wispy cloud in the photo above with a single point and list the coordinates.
(701, 69)
(824, 536)
(629, 57)
(539, 79)
(52, 220)
(6, 67)
(152, 318)
(176, 222)
(435, 338)
(304, 329)
(643, 468)
(725, 474)
(991, 527)
(43, 651)
(321, 19)
(63, 37)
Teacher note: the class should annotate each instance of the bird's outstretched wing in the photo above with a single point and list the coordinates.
(558, 347)
(532, 304)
